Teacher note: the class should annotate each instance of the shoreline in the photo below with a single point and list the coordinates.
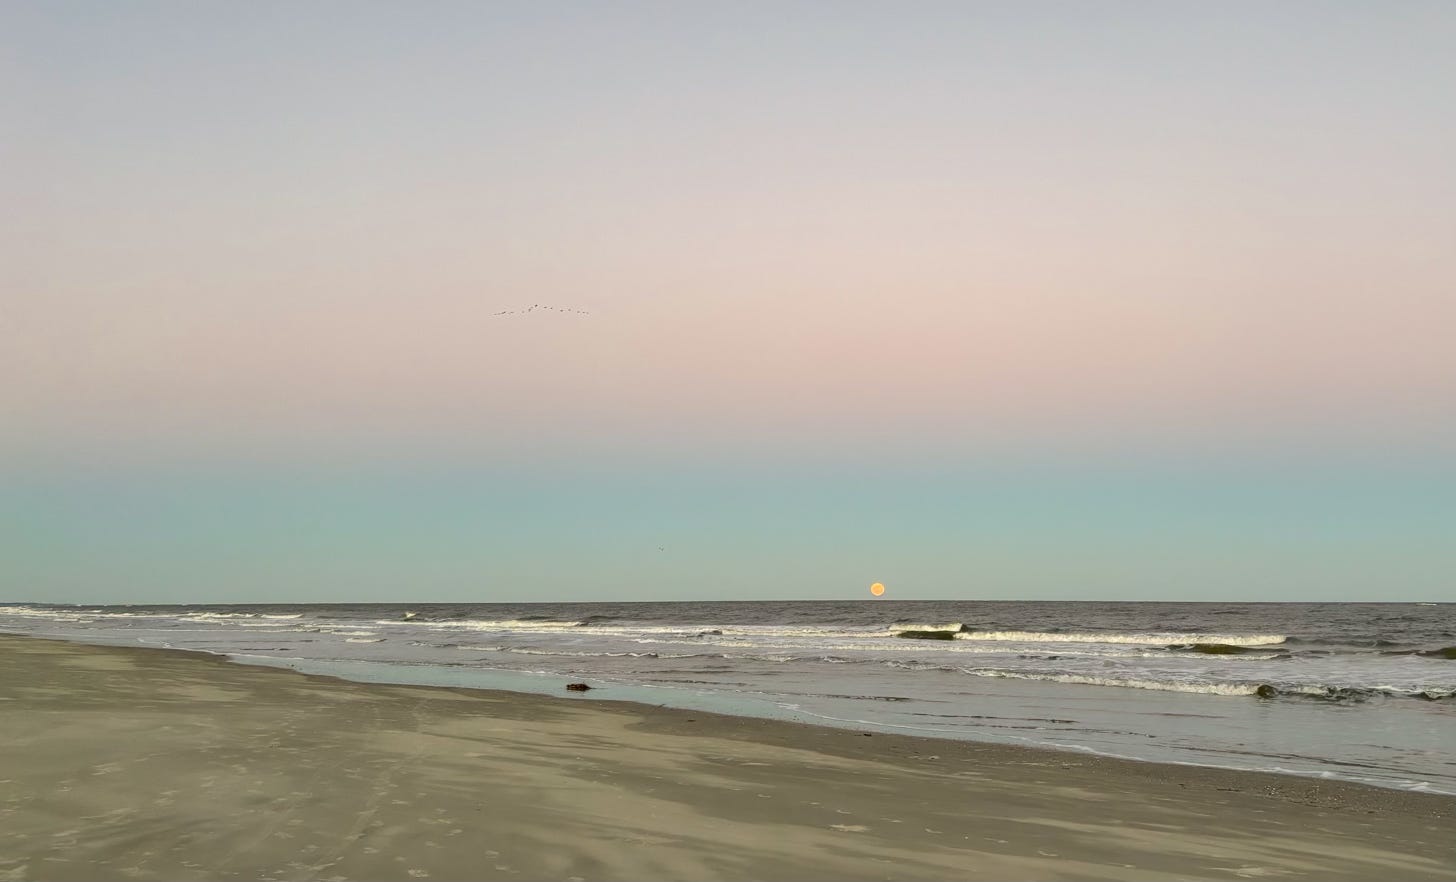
(1111, 685)
(715, 784)
(310, 668)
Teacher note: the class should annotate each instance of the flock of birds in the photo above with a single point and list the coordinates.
(541, 306)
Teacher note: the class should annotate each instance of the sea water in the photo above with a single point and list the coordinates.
(1361, 692)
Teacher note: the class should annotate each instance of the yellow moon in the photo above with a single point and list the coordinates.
(877, 589)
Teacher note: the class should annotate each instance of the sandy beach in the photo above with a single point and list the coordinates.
(150, 764)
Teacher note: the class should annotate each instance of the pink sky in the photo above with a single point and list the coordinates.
(985, 228)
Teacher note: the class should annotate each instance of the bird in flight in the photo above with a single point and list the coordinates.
(543, 308)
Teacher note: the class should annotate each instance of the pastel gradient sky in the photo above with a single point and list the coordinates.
(1062, 300)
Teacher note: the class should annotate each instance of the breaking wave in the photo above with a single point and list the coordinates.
(1153, 639)
(1262, 690)
(1219, 649)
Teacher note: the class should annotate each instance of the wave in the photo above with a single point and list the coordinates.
(483, 624)
(592, 625)
(216, 615)
(71, 615)
(939, 646)
(521, 650)
(1353, 693)
(567, 653)
(1357, 641)
(1262, 690)
(604, 626)
(1213, 644)
(1120, 637)
(719, 633)
(1220, 649)
(927, 634)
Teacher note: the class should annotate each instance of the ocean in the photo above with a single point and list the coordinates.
(1360, 692)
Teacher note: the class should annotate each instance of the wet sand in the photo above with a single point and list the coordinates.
(122, 763)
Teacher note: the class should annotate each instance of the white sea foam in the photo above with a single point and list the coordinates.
(218, 615)
(523, 650)
(686, 629)
(30, 613)
(1126, 682)
(1119, 637)
(482, 624)
(1244, 687)
(747, 635)
(884, 644)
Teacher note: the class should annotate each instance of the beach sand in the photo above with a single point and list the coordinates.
(121, 763)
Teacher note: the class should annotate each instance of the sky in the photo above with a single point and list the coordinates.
(981, 300)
